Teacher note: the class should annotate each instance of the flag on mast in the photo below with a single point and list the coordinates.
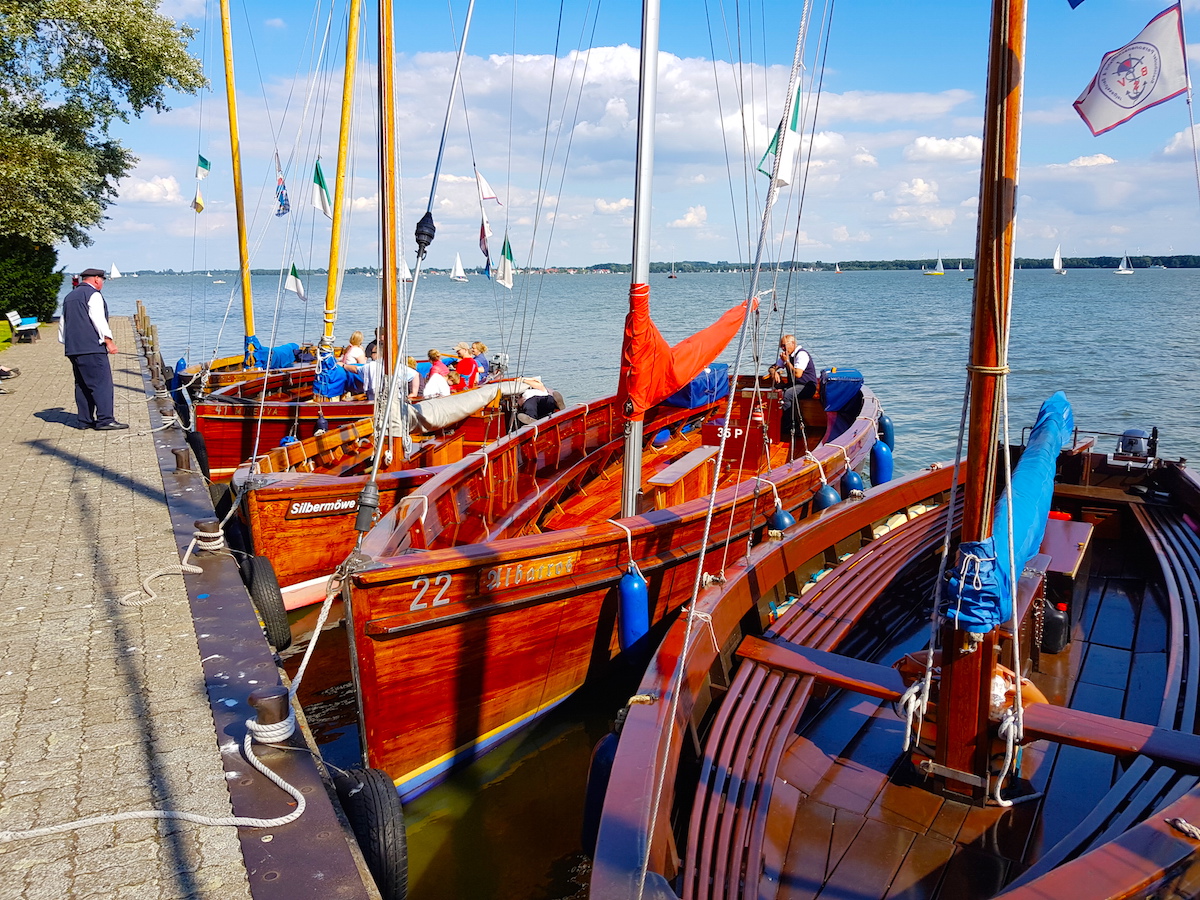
(784, 145)
(485, 189)
(294, 284)
(485, 232)
(1149, 70)
(285, 205)
(321, 192)
(203, 166)
(198, 201)
(504, 274)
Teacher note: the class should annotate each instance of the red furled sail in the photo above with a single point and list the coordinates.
(651, 369)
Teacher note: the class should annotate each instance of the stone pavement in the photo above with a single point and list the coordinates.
(102, 707)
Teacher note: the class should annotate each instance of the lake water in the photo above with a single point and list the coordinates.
(1124, 349)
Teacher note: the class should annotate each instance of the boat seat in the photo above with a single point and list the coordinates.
(24, 330)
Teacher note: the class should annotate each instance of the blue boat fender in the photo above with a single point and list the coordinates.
(780, 519)
(599, 772)
(661, 439)
(288, 439)
(322, 423)
(826, 497)
(887, 431)
(851, 482)
(633, 607)
(882, 463)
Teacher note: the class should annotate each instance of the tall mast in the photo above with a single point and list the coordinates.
(389, 343)
(235, 150)
(339, 181)
(968, 662)
(647, 94)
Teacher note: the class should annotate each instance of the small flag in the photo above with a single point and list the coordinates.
(285, 205)
(203, 167)
(321, 193)
(1147, 71)
(293, 284)
(485, 232)
(504, 275)
(198, 201)
(485, 189)
(784, 145)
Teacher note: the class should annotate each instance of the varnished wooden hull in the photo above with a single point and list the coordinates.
(762, 806)
(460, 643)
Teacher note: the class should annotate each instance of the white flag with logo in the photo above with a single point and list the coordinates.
(1149, 70)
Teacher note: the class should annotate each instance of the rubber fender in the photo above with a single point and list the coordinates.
(288, 439)
(662, 438)
(887, 431)
(852, 481)
(780, 519)
(826, 497)
(264, 591)
(599, 771)
(195, 440)
(377, 818)
(633, 608)
(882, 463)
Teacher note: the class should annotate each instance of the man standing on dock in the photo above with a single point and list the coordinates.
(88, 342)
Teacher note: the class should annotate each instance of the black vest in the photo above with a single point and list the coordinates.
(79, 334)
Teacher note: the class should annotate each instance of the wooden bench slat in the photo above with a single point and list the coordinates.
(1119, 737)
(862, 677)
(682, 466)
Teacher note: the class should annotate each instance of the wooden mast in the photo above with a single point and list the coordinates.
(389, 339)
(339, 181)
(235, 150)
(968, 662)
(631, 482)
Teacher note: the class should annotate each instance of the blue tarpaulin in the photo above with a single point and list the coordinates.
(331, 378)
(978, 595)
(708, 387)
(281, 356)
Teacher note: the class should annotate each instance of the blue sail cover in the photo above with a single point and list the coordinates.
(978, 595)
(331, 378)
(281, 356)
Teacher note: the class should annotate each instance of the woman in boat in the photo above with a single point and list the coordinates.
(480, 349)
(354, 358)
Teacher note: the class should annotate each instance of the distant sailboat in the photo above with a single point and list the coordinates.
(114, 272)
(837, 269)
(960, 268)
(1058, 263)
(458, 274)
(405, 271)
(672, 275)
(1125, 268)
(939, 269)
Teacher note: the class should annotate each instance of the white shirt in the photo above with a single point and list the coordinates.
(436, 385)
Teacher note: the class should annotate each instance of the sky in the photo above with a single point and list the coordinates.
(894, 168)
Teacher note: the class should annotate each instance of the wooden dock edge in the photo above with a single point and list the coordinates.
(315, 856)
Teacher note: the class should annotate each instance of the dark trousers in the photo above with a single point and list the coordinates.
(539, 407)
(93, 388)
(789, 419)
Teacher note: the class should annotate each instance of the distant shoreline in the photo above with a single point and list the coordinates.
(686, 267)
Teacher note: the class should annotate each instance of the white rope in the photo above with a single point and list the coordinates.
(913, 702)
(628, 536)
(706, 618)
(205, 540)
(820, 467)
(1183, 826)
(1010, 730)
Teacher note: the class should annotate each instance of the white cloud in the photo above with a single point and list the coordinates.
(842, 235)
(1085, 162)
(862, 157)
(869, 106)
(696, 217)
(275, 23)
(365, 204)
(604, 208)
(155, 190)
(190, 10)
(1180, 143)
(933, 149)
(932, 217)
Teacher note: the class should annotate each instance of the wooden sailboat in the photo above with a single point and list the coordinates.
(1125, 268)
(457, 273)
(499, 586)
(1059, 269)
(762, 757)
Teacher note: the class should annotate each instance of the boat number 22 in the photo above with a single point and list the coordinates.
(421, 586)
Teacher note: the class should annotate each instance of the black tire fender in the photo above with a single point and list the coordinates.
(376, 815)
(195, 440)
(268, 600)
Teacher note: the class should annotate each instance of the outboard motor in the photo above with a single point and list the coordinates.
(499, 364)
(1134, 442)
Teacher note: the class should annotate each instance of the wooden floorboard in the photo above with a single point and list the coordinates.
(868, 867)
(920, 874)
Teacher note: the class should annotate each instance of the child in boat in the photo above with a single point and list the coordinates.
(436, 365)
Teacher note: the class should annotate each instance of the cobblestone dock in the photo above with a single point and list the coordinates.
(104, 708)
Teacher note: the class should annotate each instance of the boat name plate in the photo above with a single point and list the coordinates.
(500, 577)
(307, 509)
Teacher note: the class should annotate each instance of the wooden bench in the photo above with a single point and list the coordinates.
(746, 741)
(24, 330)
(672, 482)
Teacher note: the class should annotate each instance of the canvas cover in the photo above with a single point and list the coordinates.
(651, 369)
(711, 385)
(978, 595)
(331, 378)
(437, 413)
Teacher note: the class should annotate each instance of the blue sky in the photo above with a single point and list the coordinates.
(895, 160)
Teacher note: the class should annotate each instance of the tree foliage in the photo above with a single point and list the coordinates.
(28, 280)
(68, 70)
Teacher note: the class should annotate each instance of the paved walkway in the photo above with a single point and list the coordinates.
(102, 707)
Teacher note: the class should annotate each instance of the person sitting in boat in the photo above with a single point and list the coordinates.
(795, 374)
(439, 385)
(354, 357)
(465, 365)
(538, 401)
(480, 349)
(436, 366)
(414, 379)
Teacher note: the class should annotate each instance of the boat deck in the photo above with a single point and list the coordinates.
(864, 825)
(107, 708)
